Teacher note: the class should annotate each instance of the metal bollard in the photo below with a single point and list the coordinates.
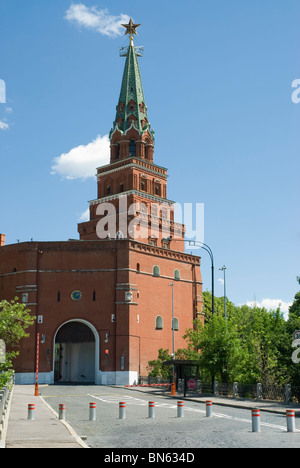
(209, 409)
(31, 409)
(179, 409)
(92, 412)
(255, 420)
(151, 411)
(122, 410)
(290, 420)
(62, 412)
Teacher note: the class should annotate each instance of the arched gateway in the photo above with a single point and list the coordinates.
(76, 350)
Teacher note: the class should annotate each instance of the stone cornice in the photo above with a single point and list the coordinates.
(132, 192)
(166, 253)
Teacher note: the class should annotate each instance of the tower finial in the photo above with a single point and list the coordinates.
(131, 29)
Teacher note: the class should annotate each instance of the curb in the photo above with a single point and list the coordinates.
(4, 420)
(67, 425)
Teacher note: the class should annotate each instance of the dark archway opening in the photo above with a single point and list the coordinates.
(74, 354)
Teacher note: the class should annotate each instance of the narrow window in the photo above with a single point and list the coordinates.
(118, 151)
(108, 190)
(94, 296)
(122, 362)
(138, 267)
(156, 270)
(121, 187)
(159, 323)
(175, 324)
(177, 275)
(58, 296)
(132, 148)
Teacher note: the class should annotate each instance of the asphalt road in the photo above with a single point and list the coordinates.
(228, 428)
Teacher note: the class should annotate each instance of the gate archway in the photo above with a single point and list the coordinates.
(76, 346)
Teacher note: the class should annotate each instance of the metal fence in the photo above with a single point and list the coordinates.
(153, 381)
(4, 395)
(280, 393)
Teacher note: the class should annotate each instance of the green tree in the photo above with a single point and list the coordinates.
(246, 348)
(15, 319)
(217, 346)
(156, 367)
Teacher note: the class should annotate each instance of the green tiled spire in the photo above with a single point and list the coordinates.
(131, 108)
(132, 90)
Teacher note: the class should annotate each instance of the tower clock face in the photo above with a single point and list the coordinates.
(76, 295)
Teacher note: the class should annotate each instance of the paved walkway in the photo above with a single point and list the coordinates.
(46, 431)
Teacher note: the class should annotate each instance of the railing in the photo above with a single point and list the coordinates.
(4, 396)
(154, 381)
(280, 393)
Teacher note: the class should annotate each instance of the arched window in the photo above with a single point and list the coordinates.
(177, 275)
(117, 150)
(132, 148)
(156, 270)
(159, 323)
(175, 324)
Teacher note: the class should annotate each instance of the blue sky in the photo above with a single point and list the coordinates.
(217, 78)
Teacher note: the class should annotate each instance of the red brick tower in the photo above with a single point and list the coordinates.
(132, 190)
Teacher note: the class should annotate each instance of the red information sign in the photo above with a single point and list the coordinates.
(192, 384)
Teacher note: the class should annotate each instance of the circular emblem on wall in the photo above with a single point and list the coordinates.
(76, 295)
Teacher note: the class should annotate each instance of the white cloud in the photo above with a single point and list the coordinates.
(272, 304)
(98, 20)
(221, 281)
(85, 216)
(3, 125)
(81, 162)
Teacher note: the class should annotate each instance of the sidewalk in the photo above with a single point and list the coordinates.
(46, 431)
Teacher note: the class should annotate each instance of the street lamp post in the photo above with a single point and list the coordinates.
(173, 331)
(208, 249)
(225, 310)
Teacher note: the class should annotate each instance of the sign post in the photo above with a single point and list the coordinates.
(36, 387)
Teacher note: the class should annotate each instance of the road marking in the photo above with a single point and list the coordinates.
(139, 402)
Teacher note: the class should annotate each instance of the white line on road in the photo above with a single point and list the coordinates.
(139, 402)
